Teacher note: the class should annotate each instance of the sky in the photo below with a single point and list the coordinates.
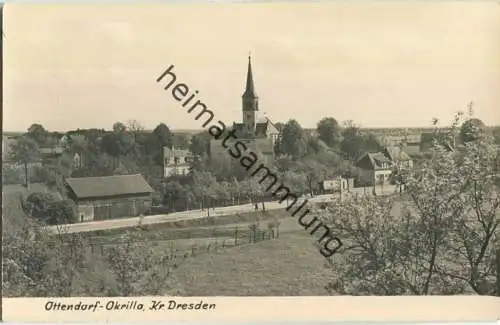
(69, 66)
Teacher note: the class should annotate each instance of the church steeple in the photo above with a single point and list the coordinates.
(250, 88)
(250, 102)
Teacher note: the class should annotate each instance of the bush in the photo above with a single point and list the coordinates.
(46, 208)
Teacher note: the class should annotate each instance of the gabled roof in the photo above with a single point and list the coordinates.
(263, 128)
(374, 161)
(90, 187)
(395, 153)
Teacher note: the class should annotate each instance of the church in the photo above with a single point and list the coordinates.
(257, 132)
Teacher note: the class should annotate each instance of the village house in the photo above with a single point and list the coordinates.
(410, 141)
(374, 169)
(176, 161)
(398, 157)
(51, 152)
(377, 168)
(339, 184)
(101, 198)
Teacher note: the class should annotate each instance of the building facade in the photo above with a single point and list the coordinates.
(374, 169)
(377, 168)
(257, 132)
(111, 197)
(338, 184)
(176, 161)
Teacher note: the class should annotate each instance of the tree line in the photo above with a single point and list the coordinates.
(302, 158)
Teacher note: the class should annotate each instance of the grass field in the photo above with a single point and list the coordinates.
(288, 266)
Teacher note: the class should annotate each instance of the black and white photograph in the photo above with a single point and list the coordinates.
(250, 149)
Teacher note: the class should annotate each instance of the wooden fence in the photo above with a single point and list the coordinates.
(183, 246)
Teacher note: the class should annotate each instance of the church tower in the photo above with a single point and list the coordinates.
(250, 102)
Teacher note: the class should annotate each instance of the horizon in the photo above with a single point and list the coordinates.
(95, 65)
(173, 130)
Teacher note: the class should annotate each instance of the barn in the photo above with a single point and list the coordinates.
(102, 198)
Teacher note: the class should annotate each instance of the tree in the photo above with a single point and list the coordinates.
(38, 133)
(297, 182)
(354, 145)
(350, 129)
(25, 151)
(163, 137)
(181, 141)
(119, 127)
(199, 144)
(38, 266)
(472, 129)
(134, 127)
(314, 145)
(329, 131)
(135, 269)
(496, 134)
(45, 208)
(314, 173)
(293, 140)
(205, 187)
(284, 163)
(172, 192)
(279, 126)
(117, 145)
(435, 239)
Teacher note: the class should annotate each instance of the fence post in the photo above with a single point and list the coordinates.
(102, 249)
(236, 236)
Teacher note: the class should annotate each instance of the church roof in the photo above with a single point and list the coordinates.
(250, 87)
(263, 128)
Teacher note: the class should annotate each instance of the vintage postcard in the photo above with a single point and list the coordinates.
(250, 161)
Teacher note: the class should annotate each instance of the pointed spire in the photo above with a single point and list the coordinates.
(250, 88)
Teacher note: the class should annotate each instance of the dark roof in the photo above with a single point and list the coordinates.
(250, 88)
(86, 187)
(374, 161)
(395, 153)
(263, 128)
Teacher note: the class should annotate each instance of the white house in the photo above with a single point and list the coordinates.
(176, 161)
